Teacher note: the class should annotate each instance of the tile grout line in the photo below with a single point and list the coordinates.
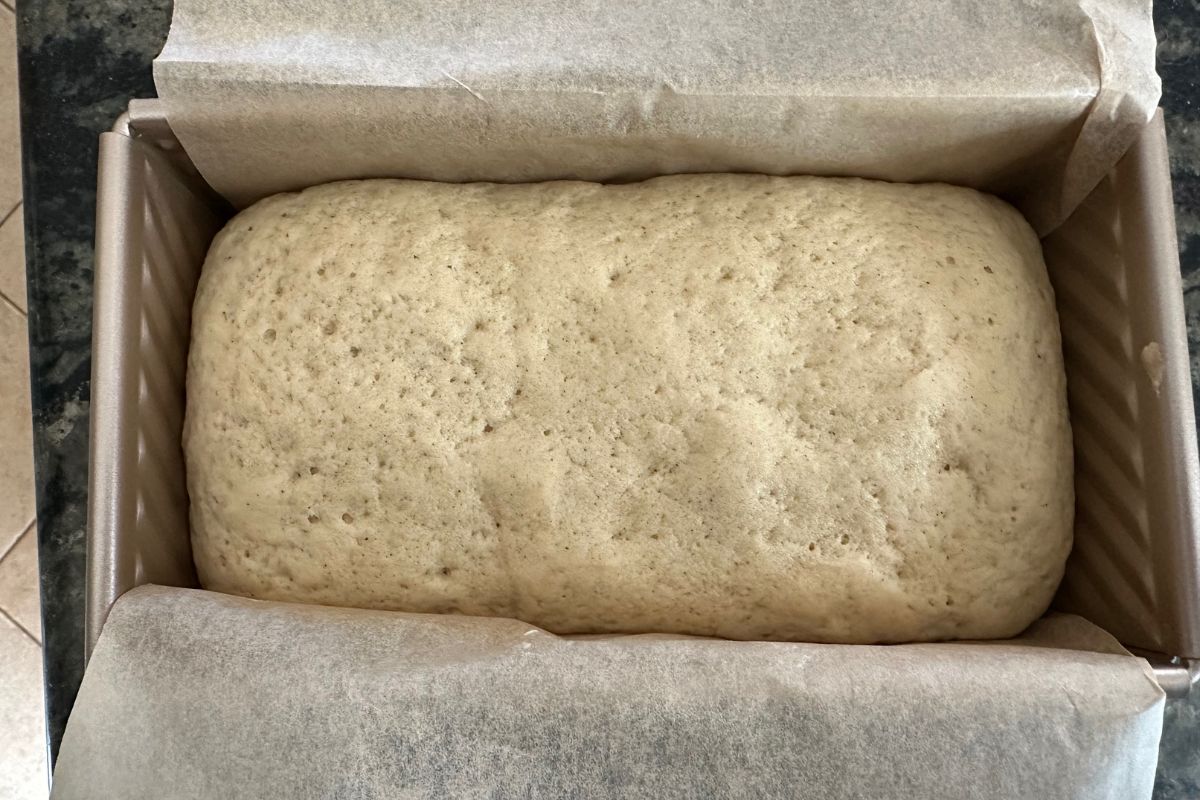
(13, 305)
(3, 221)
(12, 210)
(32, 524)
(4, 613)
(31, 528)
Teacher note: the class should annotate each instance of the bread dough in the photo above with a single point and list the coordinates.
(733, 405)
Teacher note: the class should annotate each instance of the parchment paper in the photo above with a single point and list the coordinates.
(1032, 100)
(193, 694)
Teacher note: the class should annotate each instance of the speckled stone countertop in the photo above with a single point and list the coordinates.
(81, 61)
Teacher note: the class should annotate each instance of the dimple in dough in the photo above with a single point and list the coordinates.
(744, 406)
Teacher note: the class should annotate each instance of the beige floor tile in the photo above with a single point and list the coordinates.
(10, 125)
(16, 435)
(23, 750)
(19, 584)
(12, 258)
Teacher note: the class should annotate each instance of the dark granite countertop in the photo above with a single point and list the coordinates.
(81, 61)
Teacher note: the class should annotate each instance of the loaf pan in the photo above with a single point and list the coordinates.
(1134, 567)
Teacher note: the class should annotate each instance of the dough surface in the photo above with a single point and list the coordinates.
(744, 406)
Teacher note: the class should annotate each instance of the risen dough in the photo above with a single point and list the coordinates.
(744, 406)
